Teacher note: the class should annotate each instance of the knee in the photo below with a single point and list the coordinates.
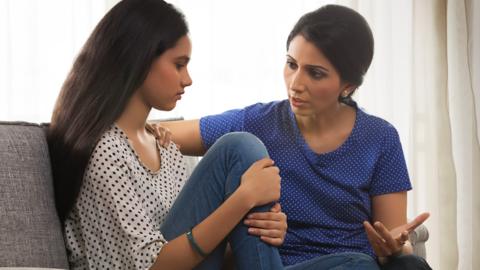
(243, 142)
(408, 262)
(362, 259)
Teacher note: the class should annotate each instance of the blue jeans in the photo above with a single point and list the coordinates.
(214, 179)
(407, 262)
(338, 261)
(360, 261)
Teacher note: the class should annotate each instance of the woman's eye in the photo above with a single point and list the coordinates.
(315, 74)
(291, 65)
(180, 66)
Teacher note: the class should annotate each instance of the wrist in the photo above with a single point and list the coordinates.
(245, 197)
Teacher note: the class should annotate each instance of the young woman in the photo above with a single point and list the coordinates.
(342, 169)
(116, 187)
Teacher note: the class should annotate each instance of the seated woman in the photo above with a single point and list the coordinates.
(124, 201)
(342, 169)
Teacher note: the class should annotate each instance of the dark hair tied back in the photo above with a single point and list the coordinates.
(343, 36)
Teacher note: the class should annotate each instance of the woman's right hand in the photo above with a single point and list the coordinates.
(261, 182)
(163, 134)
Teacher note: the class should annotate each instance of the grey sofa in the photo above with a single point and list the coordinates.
(30, 231)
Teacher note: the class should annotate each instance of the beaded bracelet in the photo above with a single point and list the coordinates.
(194, 244)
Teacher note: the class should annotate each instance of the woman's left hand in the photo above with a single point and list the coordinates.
(270, 226)
(387, 243)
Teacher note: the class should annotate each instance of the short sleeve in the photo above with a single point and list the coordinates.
(214, 126)
(116, 231)
(390, 173)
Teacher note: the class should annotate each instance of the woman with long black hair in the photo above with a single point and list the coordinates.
(124, 199)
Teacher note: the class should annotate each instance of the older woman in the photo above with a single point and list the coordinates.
(342, 168)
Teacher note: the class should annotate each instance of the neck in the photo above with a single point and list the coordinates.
(134, 116)
(322, 120)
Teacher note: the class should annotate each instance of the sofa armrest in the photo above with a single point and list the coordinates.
(418, 238)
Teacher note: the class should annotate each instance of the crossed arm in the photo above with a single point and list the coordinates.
(271, 226)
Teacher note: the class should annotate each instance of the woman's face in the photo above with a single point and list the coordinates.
(168, 76)
(313, 84)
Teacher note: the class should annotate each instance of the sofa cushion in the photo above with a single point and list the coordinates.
(30, 231)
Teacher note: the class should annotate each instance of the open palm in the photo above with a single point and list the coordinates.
(390, 242)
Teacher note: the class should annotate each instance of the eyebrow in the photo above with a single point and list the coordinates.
(310, 66)
(183, 58)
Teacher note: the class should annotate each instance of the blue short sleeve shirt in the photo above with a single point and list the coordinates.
(325, 196)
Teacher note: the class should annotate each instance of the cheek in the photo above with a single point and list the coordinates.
(325, 92)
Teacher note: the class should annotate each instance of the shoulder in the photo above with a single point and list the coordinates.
(112, 148)
(266, 111)
(266, 108)
(375, 126)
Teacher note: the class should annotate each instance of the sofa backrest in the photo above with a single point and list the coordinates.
(30, 231)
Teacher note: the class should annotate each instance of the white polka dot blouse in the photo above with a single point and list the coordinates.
(115, 223)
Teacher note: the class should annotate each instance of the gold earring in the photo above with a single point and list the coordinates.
(345, 93)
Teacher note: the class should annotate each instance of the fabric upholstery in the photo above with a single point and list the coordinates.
(30, 232)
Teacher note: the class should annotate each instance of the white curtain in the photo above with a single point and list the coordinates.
(423, 79)
(38, 41)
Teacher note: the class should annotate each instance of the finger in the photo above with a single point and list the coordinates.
(374, 238)
(272, 241)
(272, 169)
(167, 138)
(276, 208)
(265, 216)
(392, 244)
(263, 224)
(161, 139)
(263, 163)
(403, 238)
(149, 127)
(264, 232)
(372, 232)
(155, 129)
(412, 225)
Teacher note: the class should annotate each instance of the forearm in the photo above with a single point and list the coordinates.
(178, 253)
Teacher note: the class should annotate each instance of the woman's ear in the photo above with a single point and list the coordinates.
(348, 89)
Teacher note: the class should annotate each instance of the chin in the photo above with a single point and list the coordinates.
(166, 107)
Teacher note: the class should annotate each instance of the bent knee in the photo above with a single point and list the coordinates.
(242, 140)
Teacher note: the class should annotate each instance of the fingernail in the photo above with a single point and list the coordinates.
(247, 221)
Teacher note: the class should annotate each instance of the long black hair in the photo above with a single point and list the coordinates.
(343, 36)
(111, 66)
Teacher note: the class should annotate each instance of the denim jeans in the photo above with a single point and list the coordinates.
(407, 262)
(338, 261)
(360, 261)
(216, 177)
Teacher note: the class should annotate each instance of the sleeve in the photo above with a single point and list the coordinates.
(116, 229)
(215, 126)
(390, 173)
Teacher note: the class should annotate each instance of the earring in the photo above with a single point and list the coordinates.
(345, 94)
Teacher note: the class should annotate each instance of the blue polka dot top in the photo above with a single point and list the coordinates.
(325, 196)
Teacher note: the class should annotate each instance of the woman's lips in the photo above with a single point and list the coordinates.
(179, 94)
(296, 102)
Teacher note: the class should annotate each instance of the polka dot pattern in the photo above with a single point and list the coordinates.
(115, 223)
(325, 196)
